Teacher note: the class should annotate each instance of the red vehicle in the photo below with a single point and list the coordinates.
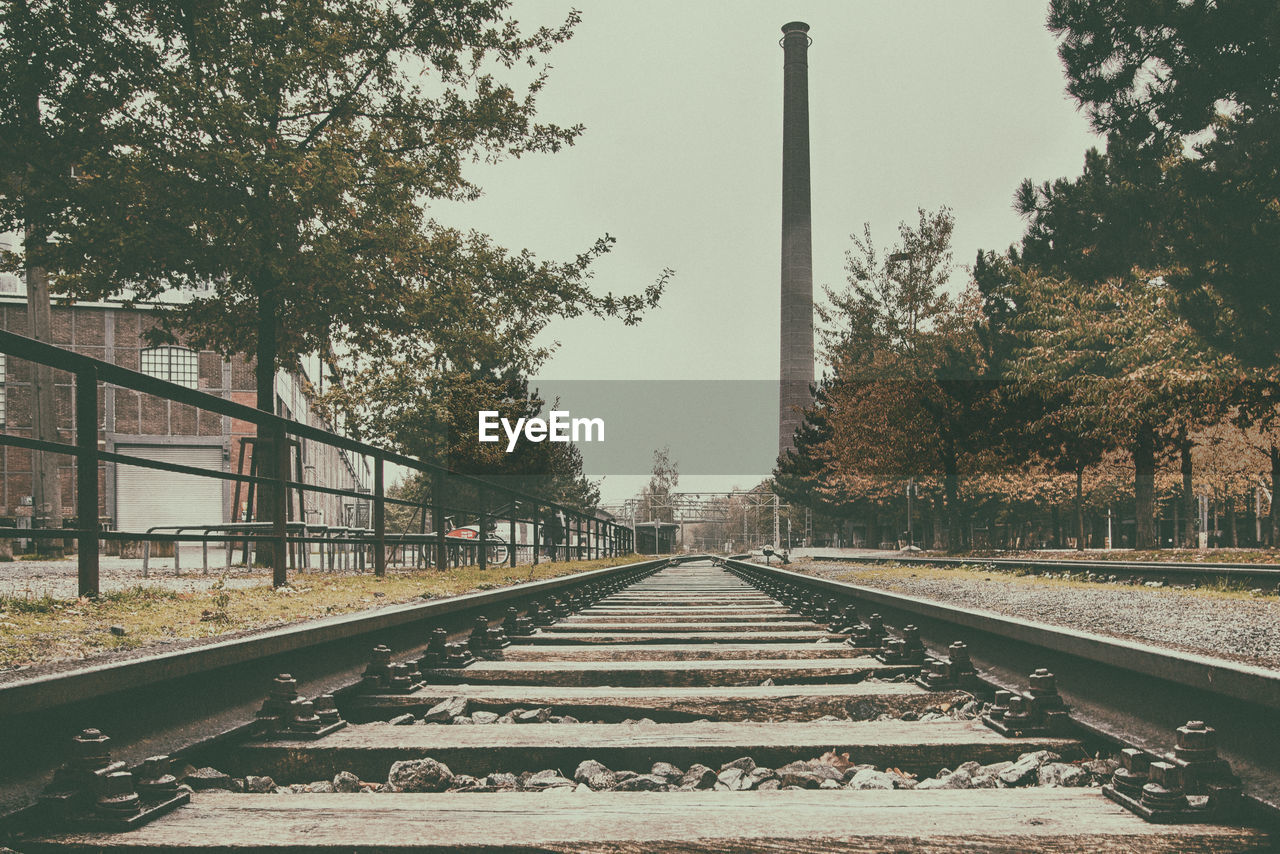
(467, 536)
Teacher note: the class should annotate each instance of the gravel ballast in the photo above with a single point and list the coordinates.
(830, 771)
(1239, 629)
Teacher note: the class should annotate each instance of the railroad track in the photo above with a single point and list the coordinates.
(1169, 572)
(705, 705)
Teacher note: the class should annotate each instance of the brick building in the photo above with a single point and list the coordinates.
(134, 424)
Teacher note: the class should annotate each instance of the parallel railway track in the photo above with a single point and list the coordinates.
(1172, 572)
(710, 704)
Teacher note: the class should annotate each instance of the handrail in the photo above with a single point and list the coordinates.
(596, 537)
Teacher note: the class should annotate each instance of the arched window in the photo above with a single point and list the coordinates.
(175, 364)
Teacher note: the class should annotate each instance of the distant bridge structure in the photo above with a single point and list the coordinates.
(693, 508)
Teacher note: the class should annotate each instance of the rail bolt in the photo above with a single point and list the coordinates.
(326, 709)
(912, 648)
(91, 749)
(116, 797)
(961, 663)
(284, 687)
(496, 638)
(399, 678)
(154, 778)
(1131, 775)
(457, 656)
(303, 717)
(1000, 705)
(1042, 682)
(479, 639)
(1196, 742)
(849, 617)
(1163, 790)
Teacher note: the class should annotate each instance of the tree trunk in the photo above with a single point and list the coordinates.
(1188, 496)
(272, 453)
(46, 483)
(1233, 539)
(1144, 488)
(951, 487)
(1275, 496)
(1079, 502)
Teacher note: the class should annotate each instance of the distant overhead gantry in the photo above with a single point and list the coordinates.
(689, 508)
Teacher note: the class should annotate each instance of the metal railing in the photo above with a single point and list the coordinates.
(583, 537)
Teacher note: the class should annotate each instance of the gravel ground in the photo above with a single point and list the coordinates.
(57, 578)
(1246, 630)
(829, 771)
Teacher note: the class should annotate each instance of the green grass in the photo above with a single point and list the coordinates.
(896, 576)
(1224, 555)
(36, 630)
(29, 604)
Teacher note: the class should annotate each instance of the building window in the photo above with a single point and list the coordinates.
(4, 409)
(175, 364)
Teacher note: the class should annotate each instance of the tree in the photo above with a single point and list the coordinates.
(1125, 372)
(68, 69)
(655, 497)
(891, 297)
(803, 468)
(1191, 89)
(1102, 239)
(910, 393)
(279, 172)
(279, 169)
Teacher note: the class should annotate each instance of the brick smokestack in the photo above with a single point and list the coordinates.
(797, 244)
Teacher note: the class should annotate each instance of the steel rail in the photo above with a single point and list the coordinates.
(1127, 692)
(1106, 567)
(174, 701)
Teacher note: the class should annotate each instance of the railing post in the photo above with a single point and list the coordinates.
(379, 521)
(482, 559)
(511, 541)
(424, 548)
(437, 519)
(280, 508)
(537, 542)
(87, 480)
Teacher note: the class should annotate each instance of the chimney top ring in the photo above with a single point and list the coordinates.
(796, 28)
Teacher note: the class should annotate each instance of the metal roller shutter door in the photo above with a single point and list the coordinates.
(148, 497)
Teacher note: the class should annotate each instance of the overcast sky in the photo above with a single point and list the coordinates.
(913, 103)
